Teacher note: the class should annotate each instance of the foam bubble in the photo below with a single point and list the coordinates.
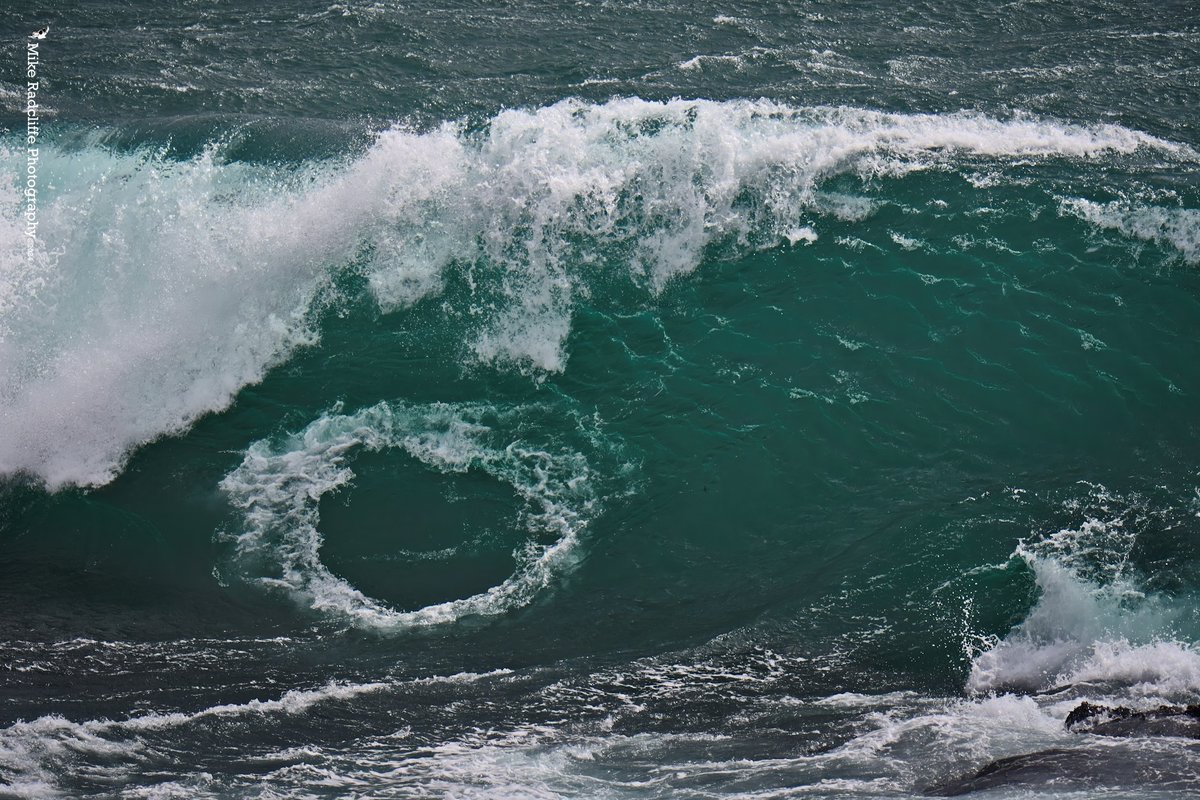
(797, 235)
(908, 242)
(278, 488)
(859, 700)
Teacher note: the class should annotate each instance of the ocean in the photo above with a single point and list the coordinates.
(647, 399)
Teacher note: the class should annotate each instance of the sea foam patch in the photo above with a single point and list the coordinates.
(1177, 228)
(35, 754)
(278, 486)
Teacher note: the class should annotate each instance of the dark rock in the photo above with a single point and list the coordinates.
(1181, 721)
(1085, 768)
(1064, 768)
(1088, 769)
(1087, 713)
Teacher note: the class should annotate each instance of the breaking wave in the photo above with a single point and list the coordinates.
(159, 288)
(1094, 622)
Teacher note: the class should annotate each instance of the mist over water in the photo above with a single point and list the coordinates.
(599, 401)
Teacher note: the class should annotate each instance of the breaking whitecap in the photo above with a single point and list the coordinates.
(174, 284)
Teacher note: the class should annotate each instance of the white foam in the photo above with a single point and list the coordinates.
(295, 701)
(1178, 228)
(1092, 622)
(964, 730)
(698, 62)
(35, 754)
(892, 757)
(156, 292)
(160, 288)
(278, 488)
(797, 235)
(908, 242)
(859, 700)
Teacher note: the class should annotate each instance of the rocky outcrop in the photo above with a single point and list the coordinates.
(1086, 768)
(1071, 769)
(1102, 720)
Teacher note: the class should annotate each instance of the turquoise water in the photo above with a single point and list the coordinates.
(598, 400)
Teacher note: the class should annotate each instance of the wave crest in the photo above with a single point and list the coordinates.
(159, 288)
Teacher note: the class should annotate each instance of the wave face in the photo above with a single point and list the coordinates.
(172, 285)
(633, 401)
